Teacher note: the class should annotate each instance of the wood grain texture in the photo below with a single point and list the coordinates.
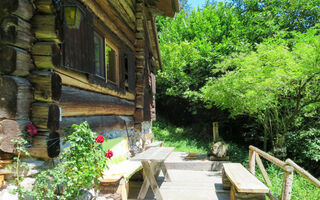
(21, 8)
(46, 55)
(116, 18)
(47, 86)
(125, 12)
(252, 161)
(16, 32)
(150, 177)
(155, 154)
(268, 157)
(9, 130)
(15, 98)
(15, 61)
(287, 185)
(45, 145)
(45, 116)
(263, 170)
(45, 6)
(304, 173)
(100, 124)
(80, 80)
(243, 180)
(103, 17)
(45, 28)
(76, 102)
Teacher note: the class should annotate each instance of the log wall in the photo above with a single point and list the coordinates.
(36, 88)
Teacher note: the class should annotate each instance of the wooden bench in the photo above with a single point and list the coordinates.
(115, 179)
(242, 184)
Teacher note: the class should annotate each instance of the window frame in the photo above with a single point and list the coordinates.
(117, 61)
(101, 56)
(112, 42)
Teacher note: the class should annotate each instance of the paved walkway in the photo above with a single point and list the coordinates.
(191, 180)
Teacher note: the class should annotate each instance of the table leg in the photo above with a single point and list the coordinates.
(165, 172)
(145, 186)
(151, 179)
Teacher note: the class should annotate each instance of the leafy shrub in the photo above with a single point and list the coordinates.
(81, 163)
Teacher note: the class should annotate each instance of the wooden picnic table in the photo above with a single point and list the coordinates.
(153, 161)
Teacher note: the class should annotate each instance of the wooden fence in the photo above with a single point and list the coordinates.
(288, 166)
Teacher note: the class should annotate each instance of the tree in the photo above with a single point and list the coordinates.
(274, 84)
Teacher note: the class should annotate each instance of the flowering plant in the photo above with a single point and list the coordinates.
(80, 166)
(100, 139)
(109, 154)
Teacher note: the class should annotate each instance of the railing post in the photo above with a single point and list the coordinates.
(287, 183)
(252, 161)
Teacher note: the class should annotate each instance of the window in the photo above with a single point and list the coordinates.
(98, 55)
(106, 59)
(112, 65)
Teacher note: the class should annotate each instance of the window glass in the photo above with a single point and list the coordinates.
(111, 63)
(98, 55)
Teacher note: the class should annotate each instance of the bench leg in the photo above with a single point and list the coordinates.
(152, 173)
(145, 185)
(165, 172)
(226, 184)
(150, 177)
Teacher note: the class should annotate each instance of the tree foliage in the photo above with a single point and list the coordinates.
(273, 84)
(257, 58)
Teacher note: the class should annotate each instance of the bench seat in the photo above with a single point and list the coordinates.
(124, 169)
(243, 183)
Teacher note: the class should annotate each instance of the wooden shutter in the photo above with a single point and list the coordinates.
(132, 72)
(78, 46)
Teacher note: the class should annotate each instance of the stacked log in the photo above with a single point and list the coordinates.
(46, 54)
(76, 102)
(46, 145)
(100, 124)
(15, 98)
(140, 62)
(16, 95)
(14, 61)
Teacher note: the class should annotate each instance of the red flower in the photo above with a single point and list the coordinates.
(109, 154)
(100, 139)
(43, 190)
(32, 130)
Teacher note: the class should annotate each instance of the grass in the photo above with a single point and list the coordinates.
(302, 188)
(183, 139)
(186, 140)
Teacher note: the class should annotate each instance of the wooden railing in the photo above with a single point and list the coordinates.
(288, 166)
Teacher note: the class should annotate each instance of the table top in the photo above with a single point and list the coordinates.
(157, 154)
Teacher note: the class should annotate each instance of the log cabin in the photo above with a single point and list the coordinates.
(63, 62)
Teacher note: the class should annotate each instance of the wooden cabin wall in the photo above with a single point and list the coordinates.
(66, 96)
(16, 95)
(36, 87)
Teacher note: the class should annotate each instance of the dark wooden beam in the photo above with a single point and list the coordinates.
(14, 61)
(16, 32)
(47, 86)
(21, 8)
(100, 124)
(15, 98)
(45, 116)
(77, 102)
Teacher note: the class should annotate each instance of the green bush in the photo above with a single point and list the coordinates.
(80, 166)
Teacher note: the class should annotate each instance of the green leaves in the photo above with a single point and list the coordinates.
(81, 163)
(273, 84)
